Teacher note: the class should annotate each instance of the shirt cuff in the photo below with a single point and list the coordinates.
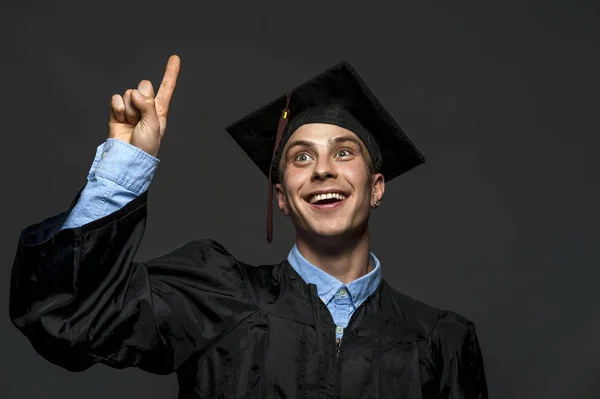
(99, 151)
(124, 164)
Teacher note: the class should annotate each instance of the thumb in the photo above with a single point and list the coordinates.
(145, 105)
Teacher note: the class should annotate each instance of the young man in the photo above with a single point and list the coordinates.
(320, 324)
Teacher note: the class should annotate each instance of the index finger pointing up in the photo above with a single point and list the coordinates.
(167, 86)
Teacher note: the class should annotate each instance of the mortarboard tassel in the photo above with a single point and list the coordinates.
(283, 121)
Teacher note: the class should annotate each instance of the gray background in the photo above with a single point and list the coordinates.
(500, 225)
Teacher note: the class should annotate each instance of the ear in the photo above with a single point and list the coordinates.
(281, 199)
(377, 188)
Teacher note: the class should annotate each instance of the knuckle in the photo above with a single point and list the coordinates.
(116, 102)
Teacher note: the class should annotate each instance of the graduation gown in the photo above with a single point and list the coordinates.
(228, 329)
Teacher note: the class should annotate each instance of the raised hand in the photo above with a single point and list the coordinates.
(139, 118)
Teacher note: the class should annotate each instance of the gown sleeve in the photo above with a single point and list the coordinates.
(462, 368)
(80, 298)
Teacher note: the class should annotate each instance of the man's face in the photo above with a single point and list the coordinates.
(327, 187)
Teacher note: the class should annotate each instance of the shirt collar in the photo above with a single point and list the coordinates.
(328, 286)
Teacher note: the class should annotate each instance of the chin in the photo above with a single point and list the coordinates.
(327, 233)
(332, 230)
(327, 225)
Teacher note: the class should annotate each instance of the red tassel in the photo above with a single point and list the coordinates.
(283, 121)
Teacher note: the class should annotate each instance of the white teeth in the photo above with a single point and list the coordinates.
(321, 197)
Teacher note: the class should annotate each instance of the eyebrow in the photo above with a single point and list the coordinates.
(337, 140)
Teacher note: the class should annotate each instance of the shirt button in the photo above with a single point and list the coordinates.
(343, 293)
(339, 329)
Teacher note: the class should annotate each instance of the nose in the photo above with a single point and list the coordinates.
(324, 169)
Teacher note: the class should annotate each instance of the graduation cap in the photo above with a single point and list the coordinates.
(337, 96)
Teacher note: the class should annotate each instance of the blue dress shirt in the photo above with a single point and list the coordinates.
(121, 172)
(341, 299)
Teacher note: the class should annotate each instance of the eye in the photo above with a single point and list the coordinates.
(302, 157)
(344, 153)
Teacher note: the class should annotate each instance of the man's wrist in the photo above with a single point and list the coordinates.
(126, 165)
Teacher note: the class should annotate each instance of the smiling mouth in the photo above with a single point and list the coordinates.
(327, 201)
(328, 198)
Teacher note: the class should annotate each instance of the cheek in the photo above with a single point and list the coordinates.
(359, 177)
(294, 180)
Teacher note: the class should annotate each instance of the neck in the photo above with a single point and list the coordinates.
(346, 259)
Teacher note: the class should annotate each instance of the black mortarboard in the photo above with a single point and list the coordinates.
(337, 96)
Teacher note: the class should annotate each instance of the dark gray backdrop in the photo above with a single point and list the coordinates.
(501, 224)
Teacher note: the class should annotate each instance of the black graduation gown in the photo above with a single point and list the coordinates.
(228, 329)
